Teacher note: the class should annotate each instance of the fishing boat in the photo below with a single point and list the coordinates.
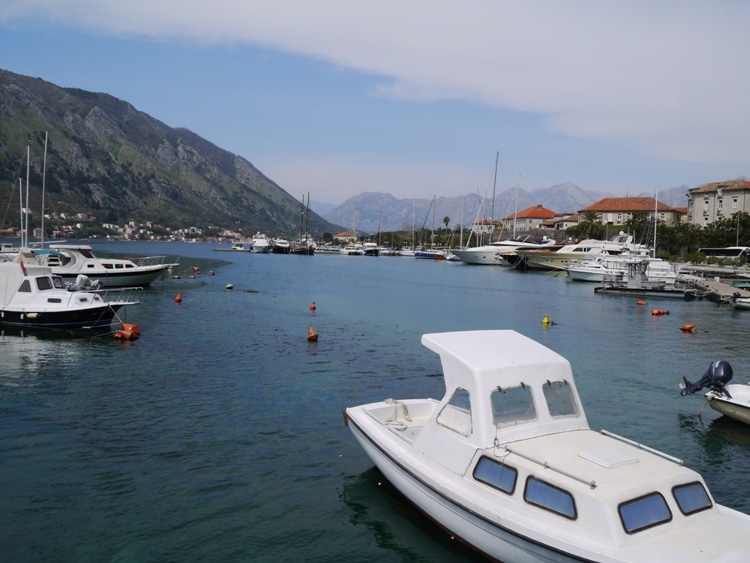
(32, 296)
(71, 260)
(730, 399)
(506, 462)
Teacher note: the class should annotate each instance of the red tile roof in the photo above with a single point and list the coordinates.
(626, 204)
(533, 212)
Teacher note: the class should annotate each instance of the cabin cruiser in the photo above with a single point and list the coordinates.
(280, 246)
(606, 268)
(507, 463)
(492, 254)
(537, 259)
(730, 399)
(69, 261)
(32, 296)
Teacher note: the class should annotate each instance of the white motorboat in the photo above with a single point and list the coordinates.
(739, 302)
(236, 247)
(507, 463)
(540, 259)
(352, 250)
(31, 296)
(280, 246)
(730, 399)
(605, 268)
(492, 254)
(261, 243)
(70, 260)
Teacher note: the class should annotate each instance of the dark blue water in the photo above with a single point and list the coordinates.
(218, 434)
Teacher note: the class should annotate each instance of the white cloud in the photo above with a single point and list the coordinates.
(668, 79)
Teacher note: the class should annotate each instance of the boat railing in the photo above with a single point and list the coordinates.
(590, 482)
(149, 260)
(642, 447)
(120, 294)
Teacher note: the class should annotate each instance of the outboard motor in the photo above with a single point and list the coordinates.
(716, 376)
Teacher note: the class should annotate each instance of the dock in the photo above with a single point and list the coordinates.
(715, 289)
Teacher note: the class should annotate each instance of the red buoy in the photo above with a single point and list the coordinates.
(178, 299)
(687, 327)
(313, 306)
(312, 334)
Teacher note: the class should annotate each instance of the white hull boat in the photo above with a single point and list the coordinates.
(32, 297)
(261, 243)
(606, 268)
(507, 463)
(70, 261)
(730, 399)
(540, 259)
(739, 302)
(491, 254)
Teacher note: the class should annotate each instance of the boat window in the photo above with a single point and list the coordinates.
(549, 497)
(86, 252)
(559, 397)
(691, 498)
(456, 414)
(54, 300)
(105, 264)
(44, 283)
(25, 287)
(512, 405)
(496, 474)
(644, 512)
(59, 282)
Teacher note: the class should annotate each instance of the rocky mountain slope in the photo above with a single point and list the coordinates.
(107, 159)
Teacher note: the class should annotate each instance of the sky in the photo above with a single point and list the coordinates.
(417, 97)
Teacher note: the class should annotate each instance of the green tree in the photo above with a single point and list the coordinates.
(590, 225)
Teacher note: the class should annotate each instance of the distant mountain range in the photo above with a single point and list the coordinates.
(373, 212)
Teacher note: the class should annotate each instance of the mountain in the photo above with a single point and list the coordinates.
(370, 212)
(109, 160)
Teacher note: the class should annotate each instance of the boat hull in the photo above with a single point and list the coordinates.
(737, 408)
(91, 317)
(489, 538)
(111, 279)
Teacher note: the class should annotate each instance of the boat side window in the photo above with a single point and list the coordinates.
(43, 283)
(549, 497)
(25, 287)
(644, 512)
(456, 414)
(59, 282)
(496, 474)
(107, 265)
(86, 253)
(691, 498)
(560, 401)
(512, 405)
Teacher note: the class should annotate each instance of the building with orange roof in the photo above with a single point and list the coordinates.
(530, 218)
(718, 200)
(617, 210)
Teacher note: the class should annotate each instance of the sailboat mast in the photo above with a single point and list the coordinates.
(44, 177)
(25, 234)
(494, 186)
(515, 213)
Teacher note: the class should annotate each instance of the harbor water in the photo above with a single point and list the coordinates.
(218, 434)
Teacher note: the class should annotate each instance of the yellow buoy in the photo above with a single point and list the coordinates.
(546, 320)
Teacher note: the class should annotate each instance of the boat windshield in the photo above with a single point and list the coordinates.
(512, 405)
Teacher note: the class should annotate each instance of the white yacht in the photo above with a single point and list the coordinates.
(506, 462)
(492, 254)
(537, 259)
(261, 243)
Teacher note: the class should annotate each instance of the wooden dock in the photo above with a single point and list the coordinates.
(714, 289)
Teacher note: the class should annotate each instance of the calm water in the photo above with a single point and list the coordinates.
(218, 434)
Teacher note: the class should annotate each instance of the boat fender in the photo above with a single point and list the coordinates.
(133, 328)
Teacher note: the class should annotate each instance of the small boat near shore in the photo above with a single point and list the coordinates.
(31, 296)
(506, 462)
(729, 399)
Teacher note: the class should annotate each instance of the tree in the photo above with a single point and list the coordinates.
(590, 225)
(446, 220)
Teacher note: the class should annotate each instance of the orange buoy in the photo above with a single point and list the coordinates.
(178, 299)
(640, 302)
(312, 334)
(313, 306)
(134, 328)
(124, 335)
(659, 312)
(687, 327)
